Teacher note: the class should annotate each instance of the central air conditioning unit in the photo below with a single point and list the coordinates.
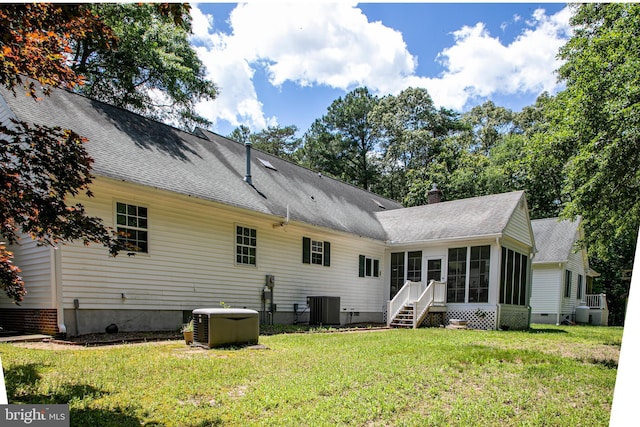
(324, 310)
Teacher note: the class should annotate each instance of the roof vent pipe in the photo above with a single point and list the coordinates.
(247, 177)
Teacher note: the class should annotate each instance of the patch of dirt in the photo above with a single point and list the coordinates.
(132, 338)
(101, 340)
(122, 338)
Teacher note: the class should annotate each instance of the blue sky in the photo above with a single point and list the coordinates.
(284, 63)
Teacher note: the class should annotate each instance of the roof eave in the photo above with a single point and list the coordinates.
(391, 243)
(556, 262)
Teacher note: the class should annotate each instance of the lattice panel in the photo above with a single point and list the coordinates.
(476, 319)
(433, 319)
(514, 318)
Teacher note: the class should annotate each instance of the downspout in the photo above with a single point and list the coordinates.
(58, 291)
(530, 287)
(561, 293)
(498, 290)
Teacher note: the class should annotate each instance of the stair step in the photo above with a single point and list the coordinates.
(404, 318)
(398, 325)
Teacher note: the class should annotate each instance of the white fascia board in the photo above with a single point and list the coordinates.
(484, 237)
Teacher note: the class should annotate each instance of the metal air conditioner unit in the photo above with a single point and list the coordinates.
(324, 310)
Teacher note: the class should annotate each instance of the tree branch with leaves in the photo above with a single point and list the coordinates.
(84, 48)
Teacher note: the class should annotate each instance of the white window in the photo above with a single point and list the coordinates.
(246, 245)
(132, 226)
(316, 252)
(368, 267)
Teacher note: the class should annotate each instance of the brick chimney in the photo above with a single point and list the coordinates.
(434, 195)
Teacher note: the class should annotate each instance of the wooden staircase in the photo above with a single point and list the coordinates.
(410, 306)
(404, 318)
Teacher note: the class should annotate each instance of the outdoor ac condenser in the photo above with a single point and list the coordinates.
(324, 310)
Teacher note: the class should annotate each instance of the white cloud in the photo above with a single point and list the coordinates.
(200, 24)
(305, 43)
(478, 65)
(334, 45)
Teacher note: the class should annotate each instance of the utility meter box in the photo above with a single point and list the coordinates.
(218, 327)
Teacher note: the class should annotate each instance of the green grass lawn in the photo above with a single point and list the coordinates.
(550, 375)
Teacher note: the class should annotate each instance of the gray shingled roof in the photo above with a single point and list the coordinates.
(126, 146)
(478, 216)
(555, 239)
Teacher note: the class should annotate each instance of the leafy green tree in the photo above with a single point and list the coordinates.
(477, 154)
(240, 134)
(36, 40)
(488, 124)
(413, 134)
(41, 166)
(277, 140)
(342, 143)
(602, 104)
(544, 155)
(152, 69)
(600, 111)
(50, 45)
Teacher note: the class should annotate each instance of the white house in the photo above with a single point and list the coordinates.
(214, 221)
(560, 273)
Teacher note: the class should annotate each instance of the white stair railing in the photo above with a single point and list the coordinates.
(434, 293)
(420, 296)
(410, 291)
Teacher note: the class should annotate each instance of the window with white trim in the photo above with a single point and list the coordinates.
(368, 267)
(316, 252)
(456, 274)
(479, 273)
(246, 245)
(132, 226)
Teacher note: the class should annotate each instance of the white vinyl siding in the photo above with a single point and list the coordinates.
(519, 225)
(192, 261)
(546, 290)
(36, 263)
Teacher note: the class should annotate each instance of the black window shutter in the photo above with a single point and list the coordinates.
(376, 267)
(361, 266)
(306, 250)
(327, 254)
